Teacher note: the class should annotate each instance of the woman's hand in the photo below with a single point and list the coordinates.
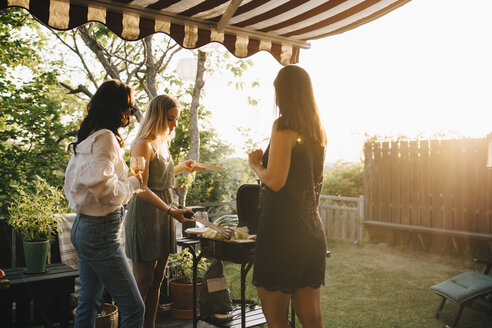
(255, 158)
(140, 179)
(178, 214)
(279, 156)
(189, 166)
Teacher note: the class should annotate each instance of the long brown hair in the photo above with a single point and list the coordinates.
(106, 110)
(296, 104)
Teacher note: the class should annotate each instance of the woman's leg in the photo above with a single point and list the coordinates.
(117, 277)
(91, 288)
(307, 305)
(90, 294)
(96, 240)
(144, 274)
(149, 276)
(153, 292)
(275, 306)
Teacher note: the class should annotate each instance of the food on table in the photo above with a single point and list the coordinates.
(240, 233)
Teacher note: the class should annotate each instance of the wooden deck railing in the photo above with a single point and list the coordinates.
(342, 217)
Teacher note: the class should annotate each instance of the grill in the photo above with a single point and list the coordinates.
(248, 214)
(235, 252)
(247, 206)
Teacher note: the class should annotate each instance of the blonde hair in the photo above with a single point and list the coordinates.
(154, 124)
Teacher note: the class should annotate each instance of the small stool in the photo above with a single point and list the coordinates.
(462, 289)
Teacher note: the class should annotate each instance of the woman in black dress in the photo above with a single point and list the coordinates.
(291, 244)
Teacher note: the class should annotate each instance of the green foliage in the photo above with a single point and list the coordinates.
(181, 264)
(208, 186)
(35, 112)
(346, 179)
(37, 117)
(232, 273)
(251, 142)
(181, 142)
(16, 49)
(213, 186)
(34, 210)
(185, 180)
(125, 56)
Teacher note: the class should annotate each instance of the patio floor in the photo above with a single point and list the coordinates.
(164, 319)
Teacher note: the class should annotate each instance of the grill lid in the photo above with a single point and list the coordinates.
(247, 202)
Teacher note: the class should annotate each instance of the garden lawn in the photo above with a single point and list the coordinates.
(376, 285)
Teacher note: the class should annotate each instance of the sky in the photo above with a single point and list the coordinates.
(423, 70)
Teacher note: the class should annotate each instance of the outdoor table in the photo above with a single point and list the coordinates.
(239, 253)
(49, 291)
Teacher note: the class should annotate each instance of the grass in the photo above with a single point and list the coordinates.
(376, 285)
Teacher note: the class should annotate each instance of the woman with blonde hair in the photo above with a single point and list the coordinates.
(149, 225)
(291, 246)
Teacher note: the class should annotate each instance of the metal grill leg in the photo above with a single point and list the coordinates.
(292, 316)
(245, 267)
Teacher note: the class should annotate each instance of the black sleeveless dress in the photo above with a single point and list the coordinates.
(291, 243)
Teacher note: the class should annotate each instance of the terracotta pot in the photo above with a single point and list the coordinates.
(182, 314)
(182, 296)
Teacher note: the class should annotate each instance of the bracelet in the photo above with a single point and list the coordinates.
(169, 211)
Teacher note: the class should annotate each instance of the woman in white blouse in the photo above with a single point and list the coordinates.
(97, 185)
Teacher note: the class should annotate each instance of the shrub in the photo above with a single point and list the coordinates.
(34, 212)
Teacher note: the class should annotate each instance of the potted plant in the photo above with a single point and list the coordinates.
(34, 213)
(180, 266)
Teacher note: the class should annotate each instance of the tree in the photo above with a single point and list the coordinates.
(102, 54)
(34, 110)
(346, 179)
(99, 54)
(145, 64)
(142, 63)
(208, 186)
(194, 134)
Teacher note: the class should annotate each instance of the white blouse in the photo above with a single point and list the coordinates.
(96, 179)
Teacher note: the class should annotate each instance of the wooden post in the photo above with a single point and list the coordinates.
(395, 183)
(361, 218)
(385, 183)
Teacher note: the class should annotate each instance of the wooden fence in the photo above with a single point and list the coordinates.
(437, 187)
(342, 216)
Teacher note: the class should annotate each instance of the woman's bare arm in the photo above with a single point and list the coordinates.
(275, 174)
(144, 148)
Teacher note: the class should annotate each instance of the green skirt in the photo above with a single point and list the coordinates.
(150, 234)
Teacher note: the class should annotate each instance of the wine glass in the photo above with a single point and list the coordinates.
(137, 165)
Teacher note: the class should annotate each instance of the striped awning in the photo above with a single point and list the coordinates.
(244, 27)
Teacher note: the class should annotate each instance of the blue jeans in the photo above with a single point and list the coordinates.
(102, 263)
